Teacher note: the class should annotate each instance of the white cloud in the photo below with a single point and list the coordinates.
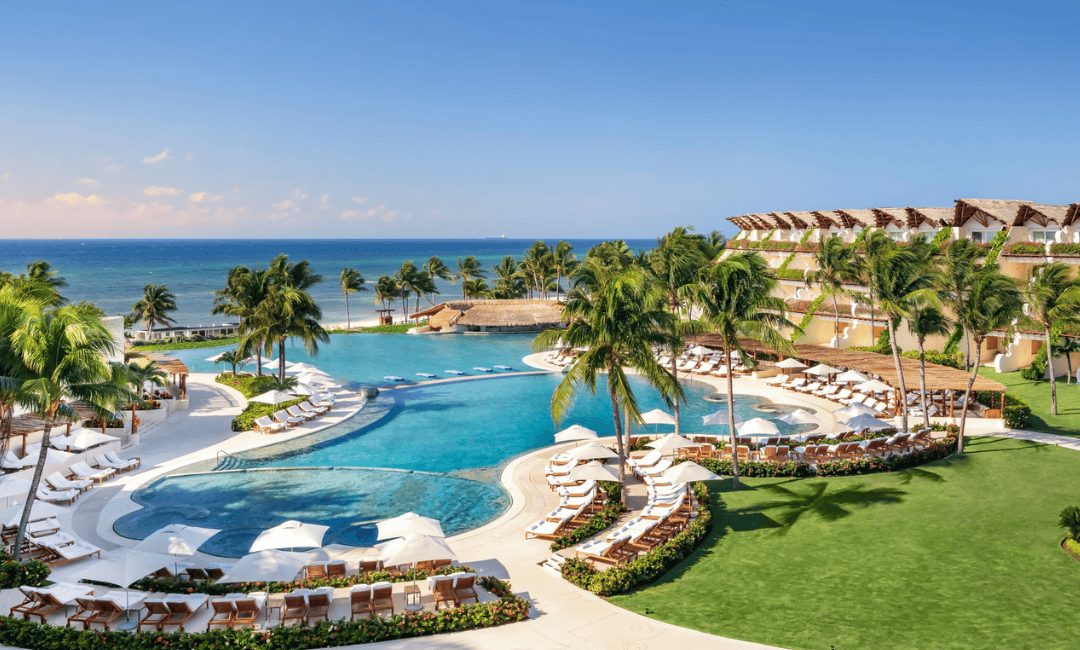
(190, 157)
(74, 198)
(381, 212)
(299, 195)
(165, 153)
(156, 190)
(349, 214)
(88, 182)
(324, 202)
(200, 197)
(359, 200)
(284, 205)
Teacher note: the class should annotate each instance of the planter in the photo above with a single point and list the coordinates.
(1068, 550)
(149, 416)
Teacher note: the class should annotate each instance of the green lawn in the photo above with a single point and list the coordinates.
(1037, 395)
(184, 345)
(961, 553)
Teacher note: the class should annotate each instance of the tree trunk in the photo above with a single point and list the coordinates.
(558, 291)
(35, 482)
(836, 310)
(922, 382)
(281, 359)
(348, 318)
(619, 446)
(1068, 363)
(675, 374)
(731, 424)
(258, 360)
(902, 396)
(1050, 368)
(967, 398)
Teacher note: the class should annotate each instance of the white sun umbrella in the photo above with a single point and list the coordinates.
(874, 386)
(274, 397)
(688, 472)
(593, 470)
(122, 568)
(305, 369)
(757, 427)
(303, 389)
(250, 361)
(592, 451)
(11, 515)
(332, 552)
(719, 417)
(671, 442)
(176, 540)
(414, 548)
(312, 378)
(867, 422)
(13, 487)
(81, 440)
(216, 357)
(700, 350)
(852, 410)
(800, 416)
(821, 370)
(290, 534)
(409, 523)
(575, 432)
(270, 565)
(852, 376)
(656, 416)
(791, 364)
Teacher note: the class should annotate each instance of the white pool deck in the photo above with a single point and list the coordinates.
(564, 616)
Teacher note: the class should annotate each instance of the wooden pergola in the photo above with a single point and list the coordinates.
(27, 423)
(176, 368)
(937, 377)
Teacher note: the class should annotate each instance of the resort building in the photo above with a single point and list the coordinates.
(490, 316)
(184, 331)
(1018, 234)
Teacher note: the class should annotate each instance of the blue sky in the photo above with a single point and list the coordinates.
(453, 119)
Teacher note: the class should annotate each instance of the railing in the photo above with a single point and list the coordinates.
(222, 452)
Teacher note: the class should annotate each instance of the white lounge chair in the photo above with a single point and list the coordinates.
(655, 470)
(57, 496)
(284, 418)
(647, 461)
(266, 425)
(297, 413)
(82, 471)
(117, 460)
(311, 408)
(58, 482)
(10, 462)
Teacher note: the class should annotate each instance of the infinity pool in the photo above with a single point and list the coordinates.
(433, 449)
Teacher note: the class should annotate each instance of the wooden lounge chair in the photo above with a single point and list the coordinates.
(108, 611)
(215, 573)
(370, 565)
(444, 593)
(195, 575)
(316, 571)
(247, 611)
(31, 601)
(179, 613)
(360, 600)
(464, 588)
(318, 607)
(335, 570)
(224, 613)
(296, 609)
(441, 564)
(157, 612)
(382, 598)
(88, 607)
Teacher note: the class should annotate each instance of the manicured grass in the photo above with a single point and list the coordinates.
(1037, 395)
(378, 329)
(961, 553)
(185, 345)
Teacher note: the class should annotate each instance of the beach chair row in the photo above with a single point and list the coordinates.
(667, 514)
(294, 415)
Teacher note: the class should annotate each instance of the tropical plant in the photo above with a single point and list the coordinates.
(536, 267)
(1053, 301)
(563, 261)
(508, 281)
(13, 310)
(925, 320)
(835, 265)
(959, 263)
(154, 308)
(993, 303)
(673, 266)
(351, 282)
(386, 290)
(140, 374)
(40, 283)
(1069, 519)
(408, 280)
(232, 357)
(63, 351)
(1066, 347)
(618, 319)
(734, 297)
(475, 288)
(436, 268)
(468, 269)
(244, 292)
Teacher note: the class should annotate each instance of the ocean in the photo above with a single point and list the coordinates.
(111, 273)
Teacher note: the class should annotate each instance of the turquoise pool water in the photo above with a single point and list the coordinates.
(433, 449)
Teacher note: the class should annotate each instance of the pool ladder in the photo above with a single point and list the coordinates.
(226, 461)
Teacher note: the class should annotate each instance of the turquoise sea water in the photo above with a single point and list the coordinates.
(112, 272)
(434, 449)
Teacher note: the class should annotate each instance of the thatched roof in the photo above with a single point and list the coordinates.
(493, 313)
(1072, 215)
(27, 423)
(937, 377)
(855, 218)
(170, 365)
(1042, 215)
(883, 217)
(936, 217)
(985, 210)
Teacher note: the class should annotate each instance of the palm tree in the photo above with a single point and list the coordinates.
(138, 376)
(40, 283)
(1067, 346)
(63, 351)
(232, 357)
(993, 303)
(468, 269)
(536, 266)
(835, 265)
(154, 308)
(13, 310)
(386, 290)
(618, 318)
(475, 288)
(959, 265)
(508, 282)
(563, 260)
(436, 268)
(876, 245)
(926, 320)
(351, 282)
(1053, 301)
(409, 281)
(735, 300)
(245, 290)
(674, 265)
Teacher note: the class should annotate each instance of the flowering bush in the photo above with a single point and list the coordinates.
(608, 515)
(16, 574)
(646, 568)
(937, 450)
(176, 586)
(507, 609)
(755, 469)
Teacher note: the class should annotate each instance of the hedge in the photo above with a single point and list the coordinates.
(755, 469)
(1037, 370)
(1027, 248)
(1073, 546)
(508, 609)
(936, 451)
(255, 410)
(608, 515)
(177, 586)
(248, 385)
(1065, 249)
(1016, 411)
(954, 360)
(14, 574)
(791, 274)
(649, 567)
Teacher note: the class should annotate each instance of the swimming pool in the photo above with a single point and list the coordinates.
(434, 449)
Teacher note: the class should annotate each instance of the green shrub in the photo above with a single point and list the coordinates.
(1065, 249)
(13, 574)
(781, 245)
(1016, 417)
(1027, 248)
(507, 609)
(177, 586)
(937, 450)
(1069, 519)
(1037, 370)
(248, 385)
(649, 567)
(791, 274)
(996, 244)
(755, 469)
(955, 360)
(255, 410)
(608, 515)
(942, 237)
(1073, 546)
